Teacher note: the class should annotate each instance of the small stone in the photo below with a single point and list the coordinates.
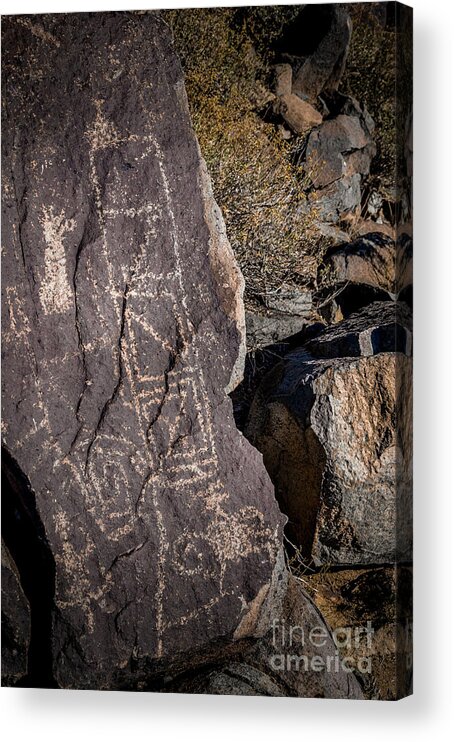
(298, 114)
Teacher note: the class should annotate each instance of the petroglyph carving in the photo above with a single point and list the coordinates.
(121, 334)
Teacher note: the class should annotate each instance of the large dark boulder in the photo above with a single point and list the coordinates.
(123, 327)
(333, 423)
(339, 152)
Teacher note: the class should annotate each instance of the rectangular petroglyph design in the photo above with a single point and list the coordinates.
(168, 524)
(55, 290)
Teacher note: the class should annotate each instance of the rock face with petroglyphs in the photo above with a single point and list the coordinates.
(123, 329)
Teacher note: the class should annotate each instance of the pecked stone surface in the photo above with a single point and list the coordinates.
(123, 325)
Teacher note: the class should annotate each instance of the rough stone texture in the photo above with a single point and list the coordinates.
(367, 226)
(230, 281)
(383, 597)
(122, 329)
(369, 260)
(282, 79)
(371, 268)
(340, 104)
(338, 154)
(325, 421)
(382, 327)
(323, 69)
(299, 115)
(340, 198)
(272, 327)
(333, 233)
(286, 312)
(15, 623)
(275, 665)
(290, 300)
(339, 147)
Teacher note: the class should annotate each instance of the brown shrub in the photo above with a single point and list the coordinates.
(269, 221)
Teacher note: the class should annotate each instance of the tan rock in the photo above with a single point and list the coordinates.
(369, 260)
(298, 114)
(229, 279)
(366, 226)
(330, 421)
(282, 79)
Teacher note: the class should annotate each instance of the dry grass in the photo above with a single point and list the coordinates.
(370, 76)
(270, 222)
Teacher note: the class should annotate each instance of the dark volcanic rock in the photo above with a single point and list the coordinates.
(323, 69)
(284, 662)
(338, 199)
(270, 327)
(382, 327)
(123, 326)
(383, 597)
(338, 154)
(371, 268)
(332, 422)
(285, 313)
(15, 623)
(340, 147)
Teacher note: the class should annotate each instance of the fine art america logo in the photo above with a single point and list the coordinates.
(319, 650)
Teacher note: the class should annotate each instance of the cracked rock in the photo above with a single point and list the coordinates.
(332, 422)
(123, 326)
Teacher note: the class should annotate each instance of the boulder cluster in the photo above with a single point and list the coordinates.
(326, 395)
(336, 131)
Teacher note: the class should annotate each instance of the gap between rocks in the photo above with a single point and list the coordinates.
(24, 536)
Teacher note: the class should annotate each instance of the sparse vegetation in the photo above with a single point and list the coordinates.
(261, 193)
(262, 190)
(370, 76)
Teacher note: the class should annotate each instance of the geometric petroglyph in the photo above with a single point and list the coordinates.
(118, 348)
(55, 291)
